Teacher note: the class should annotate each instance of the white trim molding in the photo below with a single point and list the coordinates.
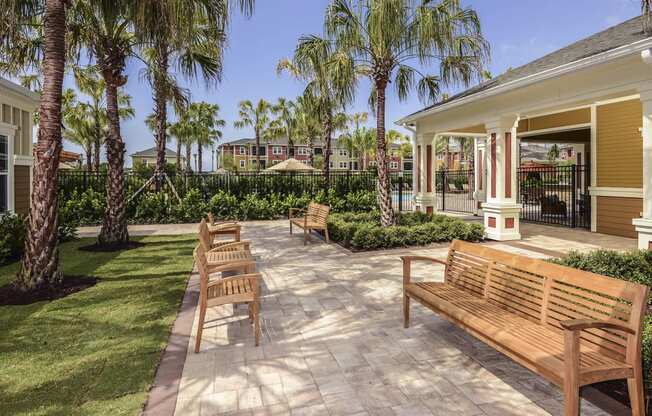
(616, 192)
(572, 127)
(21, 160)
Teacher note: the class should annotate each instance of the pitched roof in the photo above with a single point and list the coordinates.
(151, 152)
(616, 36)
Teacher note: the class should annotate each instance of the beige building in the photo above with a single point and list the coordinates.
(596, 92)
(17, 107)
(148, 157)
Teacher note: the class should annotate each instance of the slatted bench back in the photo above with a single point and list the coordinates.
(549, 293)
(317, 213)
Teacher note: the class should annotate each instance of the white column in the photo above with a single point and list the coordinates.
(413, 142)
(644, 224)
(425, 198)
(479, 169)
(501, 211)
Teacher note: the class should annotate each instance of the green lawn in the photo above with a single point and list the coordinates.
(94, 352)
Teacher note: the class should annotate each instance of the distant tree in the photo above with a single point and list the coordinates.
(257, 117)
(78, 124)
(308, 124)
(646, 9)
(553, 153)
(205, 126)
(228, 163)
(318, 162)
(285, 111)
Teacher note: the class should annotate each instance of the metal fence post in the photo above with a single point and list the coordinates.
(574, 196)
(400, 193)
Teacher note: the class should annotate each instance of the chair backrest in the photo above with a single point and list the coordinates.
(210, 217)
(549, 293)
(204, 236)
(317, 213)
(202, 267)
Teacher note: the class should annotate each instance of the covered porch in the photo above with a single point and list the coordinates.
(600, 105)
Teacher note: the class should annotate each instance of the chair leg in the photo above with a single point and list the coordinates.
(636, 396)
(326, 233)
(257, 322)
(251, 312)
(200, 328)
(406, 311)
(305, 236)
(290, 227)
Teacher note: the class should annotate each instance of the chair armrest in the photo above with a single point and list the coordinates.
(407, 265)
(236, 245)
(253, 277)
(582, 324)
(220, 267)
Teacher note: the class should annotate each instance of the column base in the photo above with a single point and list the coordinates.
(501, 221)
(425, 203)
(643, 227)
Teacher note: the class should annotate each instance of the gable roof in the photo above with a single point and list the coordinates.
(622, 34)
(151, 152)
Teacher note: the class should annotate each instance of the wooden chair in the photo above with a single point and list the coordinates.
(220, 228)
(572, 327)
(243, 288)
(314, 218)
(230, 255)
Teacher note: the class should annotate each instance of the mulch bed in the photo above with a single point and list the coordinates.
(110, 248)
(10, 295)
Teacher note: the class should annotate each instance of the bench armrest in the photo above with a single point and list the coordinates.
(407, 265)
(236, 245)
(582, 324)
(293, 210)
(221, 267)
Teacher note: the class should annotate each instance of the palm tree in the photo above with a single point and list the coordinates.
(330, 81)
(384, 37)
(105, 30)
(78, 124)
(205, 126)
(307, 122)
(284, 109)
(646, 9)
(553, 153)
(257, 117)
(20, 49)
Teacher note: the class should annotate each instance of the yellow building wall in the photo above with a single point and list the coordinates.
(567, 118)
(615, 214)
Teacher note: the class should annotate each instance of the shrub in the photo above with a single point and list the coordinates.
(153, 208)
(12, 237)
(362, 231)
(633, 266)
(86, 208)
(191, 209)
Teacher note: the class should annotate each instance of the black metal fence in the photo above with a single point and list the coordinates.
(556, 195)
(243, 183)
(455, 191)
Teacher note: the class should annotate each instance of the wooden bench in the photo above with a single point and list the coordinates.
(572, 327)
(314, 218)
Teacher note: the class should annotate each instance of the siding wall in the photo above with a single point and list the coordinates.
(615, 215)
(21, 189)
(568, 118)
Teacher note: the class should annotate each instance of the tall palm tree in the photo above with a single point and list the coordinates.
(284, 109)
(384, 37)
(205, 126)
(308, 122)
(19, 48)
(646, 10)
(78, 124)
(105, 30)
(330, 80)
(257, 117)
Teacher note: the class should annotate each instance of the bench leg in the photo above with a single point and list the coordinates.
(200, 328)
(290, 227)
(571, 373)
(406, 311)
(305, 236)
(256, 306)
(326, 233)
(636, 397)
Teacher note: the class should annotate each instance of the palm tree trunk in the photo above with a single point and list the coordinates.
(98, 142)
(257, 151)
(328, 128)
(200, 154)
(188, 157)
(384, 197)
(178, 155)
(160, 110)
(114, 225)
(89, 157)
(311, 147)
(40, 264)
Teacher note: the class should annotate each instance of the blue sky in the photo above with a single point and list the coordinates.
(518, 31)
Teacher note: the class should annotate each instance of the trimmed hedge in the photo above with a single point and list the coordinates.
(633, 266)
(87, 208)
(362, 231)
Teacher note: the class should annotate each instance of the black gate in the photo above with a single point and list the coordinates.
(401, 191)
(455, 191)
(557, 195)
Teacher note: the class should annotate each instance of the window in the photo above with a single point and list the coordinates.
(343, 165)
(4, 173)
(318, 151)
(242, 164)
(243, 150)
(302, 151)
(393, 165)
(343, 152)
(277, 150)
(330, 165)
(144, 161)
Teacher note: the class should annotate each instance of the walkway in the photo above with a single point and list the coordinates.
(334, 343)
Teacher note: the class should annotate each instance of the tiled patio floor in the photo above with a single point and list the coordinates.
(334, 344)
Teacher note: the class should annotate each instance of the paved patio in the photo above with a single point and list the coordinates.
(333, 341)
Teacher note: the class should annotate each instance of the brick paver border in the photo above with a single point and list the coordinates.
(162, 397)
